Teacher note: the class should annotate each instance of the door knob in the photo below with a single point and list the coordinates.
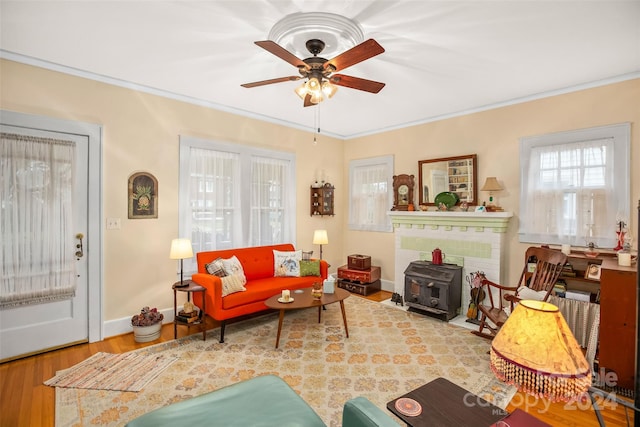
(80, 250)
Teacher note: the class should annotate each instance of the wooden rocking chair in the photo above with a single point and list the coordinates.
(542, 280)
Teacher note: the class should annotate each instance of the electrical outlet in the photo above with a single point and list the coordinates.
(113, 223)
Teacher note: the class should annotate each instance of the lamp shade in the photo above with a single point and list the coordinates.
(181, 249)
(536, 352)
(320, 237)
(491, 184)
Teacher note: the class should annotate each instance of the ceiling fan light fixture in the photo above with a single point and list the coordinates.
(313, 85)
(328, 89)
(316, 97)
(301, 90)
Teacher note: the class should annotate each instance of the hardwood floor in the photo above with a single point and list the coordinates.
(26, 401)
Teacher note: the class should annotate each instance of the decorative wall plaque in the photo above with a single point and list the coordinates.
(143, 196)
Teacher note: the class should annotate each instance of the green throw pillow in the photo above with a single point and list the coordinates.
(309, 268)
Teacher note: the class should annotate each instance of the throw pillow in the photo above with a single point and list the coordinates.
(527, 293)
(216, 268)
(286, 263)
(232, 267)
(309, 268)
(233, 283)
(306, 255)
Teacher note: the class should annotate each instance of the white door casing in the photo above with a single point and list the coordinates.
(31, 329)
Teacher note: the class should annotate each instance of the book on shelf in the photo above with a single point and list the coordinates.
(560, 289)
(186, 319)
(194, 313)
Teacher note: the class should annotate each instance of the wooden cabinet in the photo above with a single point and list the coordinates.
(322, 200)
(618, 321)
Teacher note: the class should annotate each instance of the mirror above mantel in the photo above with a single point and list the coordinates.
(448, 174)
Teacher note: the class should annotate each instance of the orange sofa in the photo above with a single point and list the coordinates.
(258, 265)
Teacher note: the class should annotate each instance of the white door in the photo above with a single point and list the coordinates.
(28, 329)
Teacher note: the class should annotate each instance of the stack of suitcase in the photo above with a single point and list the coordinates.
(359, 276)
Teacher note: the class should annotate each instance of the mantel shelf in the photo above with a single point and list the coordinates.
(477, 221)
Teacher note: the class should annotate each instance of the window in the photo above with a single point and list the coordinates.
(369, 193)
(575, 186)
(235, 196)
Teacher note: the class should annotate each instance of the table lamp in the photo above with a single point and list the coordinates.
(536, 352)
(491, 185)
(320, 238)
(181, 249)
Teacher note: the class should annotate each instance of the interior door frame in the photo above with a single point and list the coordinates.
(93, 245)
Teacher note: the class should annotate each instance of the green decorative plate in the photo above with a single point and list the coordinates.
(447, 198)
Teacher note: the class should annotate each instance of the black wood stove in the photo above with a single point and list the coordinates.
(433, 289)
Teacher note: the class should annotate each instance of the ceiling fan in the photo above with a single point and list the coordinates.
(319, 71)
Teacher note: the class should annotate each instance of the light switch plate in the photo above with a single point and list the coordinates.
(113, 223)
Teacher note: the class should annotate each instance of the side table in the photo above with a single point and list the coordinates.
(447, 404)
(189, 289)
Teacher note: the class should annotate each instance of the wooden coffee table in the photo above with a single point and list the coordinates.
(305, 300)
(447, 404)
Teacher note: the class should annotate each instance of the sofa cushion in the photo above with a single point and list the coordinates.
(286, 263)
(263, 289)
(260, 258)
(309, 268)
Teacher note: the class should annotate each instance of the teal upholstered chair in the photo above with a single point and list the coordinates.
(264, 401)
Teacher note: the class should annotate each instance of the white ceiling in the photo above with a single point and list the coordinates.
(442, 57)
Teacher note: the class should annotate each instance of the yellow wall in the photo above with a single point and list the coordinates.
(140, 133)
(493, 136)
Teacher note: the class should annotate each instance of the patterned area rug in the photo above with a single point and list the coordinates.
(105, 371)
(389, 352)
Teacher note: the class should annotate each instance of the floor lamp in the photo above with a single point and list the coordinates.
(320, 238)
(181, 249)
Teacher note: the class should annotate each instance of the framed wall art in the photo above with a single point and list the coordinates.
(593, 272)
(143, 196)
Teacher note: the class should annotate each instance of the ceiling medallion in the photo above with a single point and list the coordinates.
(337, 32)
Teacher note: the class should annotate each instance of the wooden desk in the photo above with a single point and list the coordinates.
(446, 404)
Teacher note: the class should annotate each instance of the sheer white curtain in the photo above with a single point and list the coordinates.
(233, 196)
(213, 220)
(369, 193)
(569, 194)
(36, 220)
(271, 202)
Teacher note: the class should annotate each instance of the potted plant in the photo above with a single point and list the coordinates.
(147, 324)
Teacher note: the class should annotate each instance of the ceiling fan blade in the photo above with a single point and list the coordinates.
(356, 83)
(271, 81)
(307, 101)
(365, 50)
(280, 52)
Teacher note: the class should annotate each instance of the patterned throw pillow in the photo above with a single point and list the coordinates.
(232, 267)
(309, 268)
(216, 268)
(233, 283)
(286, 263)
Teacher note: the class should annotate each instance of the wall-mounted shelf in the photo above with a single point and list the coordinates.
(321, 203)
